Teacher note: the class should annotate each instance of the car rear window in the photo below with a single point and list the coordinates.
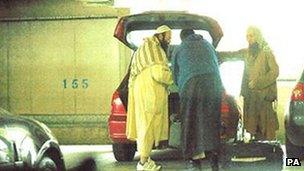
(136, 37)
(232, 74)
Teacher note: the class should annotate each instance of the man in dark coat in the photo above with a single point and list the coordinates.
(196, 73)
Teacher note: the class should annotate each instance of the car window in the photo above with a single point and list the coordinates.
(27, 147)
(231, 74)
(136, 37)
(24, 141)
(6, 152)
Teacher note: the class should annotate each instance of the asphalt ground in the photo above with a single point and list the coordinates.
(170, 159)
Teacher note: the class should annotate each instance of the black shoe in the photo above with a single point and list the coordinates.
(213, 158)
(193, 165)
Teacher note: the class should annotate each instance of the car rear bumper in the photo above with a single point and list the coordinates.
(117, 129)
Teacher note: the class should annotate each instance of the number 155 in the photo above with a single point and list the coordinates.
(76, 83)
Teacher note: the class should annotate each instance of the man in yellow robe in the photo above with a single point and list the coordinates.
(147, 118)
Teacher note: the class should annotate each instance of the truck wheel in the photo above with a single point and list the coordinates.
(124, 152)
(294, 151)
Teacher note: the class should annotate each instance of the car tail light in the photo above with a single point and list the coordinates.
(117, 105)
(120, 31)
(224, 104)
(117, 119)
(298, 92)
(224, 107)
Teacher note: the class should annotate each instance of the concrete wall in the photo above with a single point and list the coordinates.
(59, 63)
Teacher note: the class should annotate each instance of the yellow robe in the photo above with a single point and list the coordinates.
(147, 118)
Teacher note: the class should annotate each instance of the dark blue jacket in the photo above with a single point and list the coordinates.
(194, 56)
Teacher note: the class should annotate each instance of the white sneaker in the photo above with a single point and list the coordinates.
(148, 166)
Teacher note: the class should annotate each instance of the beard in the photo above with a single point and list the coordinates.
(164, 45)
(254, 49)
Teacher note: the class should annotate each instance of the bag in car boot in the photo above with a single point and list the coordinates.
(175, 132)
(255, 155)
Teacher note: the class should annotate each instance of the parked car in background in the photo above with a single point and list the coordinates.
(294, 121)
(131, 30)
(26, 144)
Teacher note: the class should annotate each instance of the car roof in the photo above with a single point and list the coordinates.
(6, 116)
(174, 19)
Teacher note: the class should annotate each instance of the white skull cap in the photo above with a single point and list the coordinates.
(162, 29)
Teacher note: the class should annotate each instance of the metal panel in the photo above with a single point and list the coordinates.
(63, 66)
(20, 67)
(53, 56)
(4, 100)
(97, 65)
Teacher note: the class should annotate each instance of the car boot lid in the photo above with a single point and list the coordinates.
(174, 19)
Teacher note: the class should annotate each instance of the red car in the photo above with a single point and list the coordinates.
(130, 30)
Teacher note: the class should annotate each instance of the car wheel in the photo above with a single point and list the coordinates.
(47, 164)
(124, 152)
(293, 151)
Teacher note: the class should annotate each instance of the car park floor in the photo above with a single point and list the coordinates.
(170, 159)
